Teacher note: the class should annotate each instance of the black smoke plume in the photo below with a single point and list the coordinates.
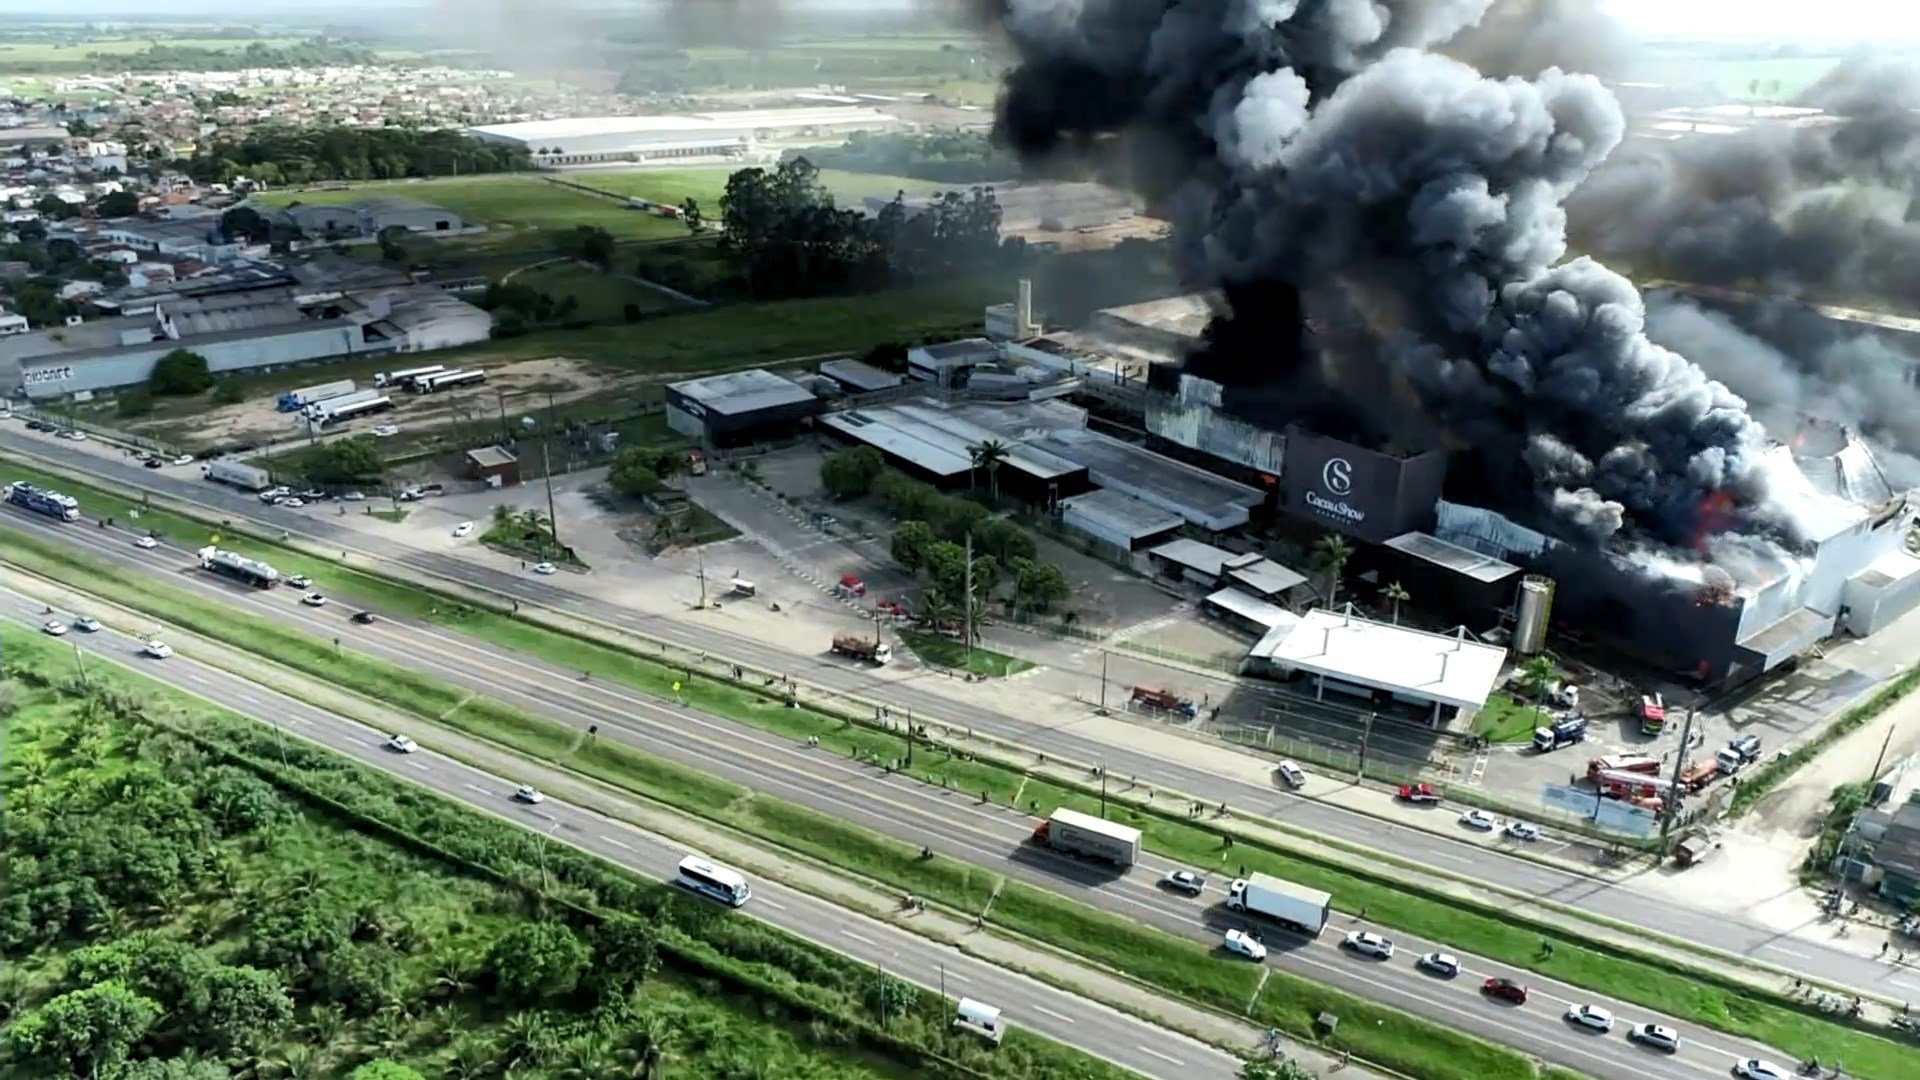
(1324, 147)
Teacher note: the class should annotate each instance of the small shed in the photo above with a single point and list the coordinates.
(494, 464)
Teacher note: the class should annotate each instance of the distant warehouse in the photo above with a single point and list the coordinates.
(738, 408)
(591, 140)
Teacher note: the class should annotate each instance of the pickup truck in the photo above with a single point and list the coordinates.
(1419, 794)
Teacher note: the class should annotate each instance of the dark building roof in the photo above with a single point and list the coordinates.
(1899, 849)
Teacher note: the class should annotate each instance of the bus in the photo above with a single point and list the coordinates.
(703, 877)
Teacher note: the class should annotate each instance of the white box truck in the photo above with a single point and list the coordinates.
(1096, 838)
(1295, 907)
(244, 477)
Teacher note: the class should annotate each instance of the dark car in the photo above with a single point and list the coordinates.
(152, 462)
(1503, 989)
(364, 618)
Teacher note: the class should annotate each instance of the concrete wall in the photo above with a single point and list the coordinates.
(50, 377)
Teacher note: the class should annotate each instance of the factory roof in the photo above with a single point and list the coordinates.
(939, 440)
(1447, 668)
(1185, 315)
(952, 354)
(1253, 609)
(742, 391)
(1209, 501)
(1121, 514)
(859, 375)
(192, 231)
(491, 457)
(723, 122)
(1266, 577)
(881, 431)
(1464, 561)
(396, 204)
(33, 133)
(1205, 558)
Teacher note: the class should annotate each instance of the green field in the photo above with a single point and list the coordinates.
(15, 53)
(947, 653)
(1506, 720)
(278, 906)
(525, 203)
(1677, 990)
(706, 184)
(603, 297)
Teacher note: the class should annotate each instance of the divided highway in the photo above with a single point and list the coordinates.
(1090, 1026)
(950, 823)
(1616, 902)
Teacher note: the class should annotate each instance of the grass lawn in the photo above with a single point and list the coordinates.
(523, 201)
(1682, 992)
(674, 186)
(396, 515)
(18, 53)
(947, 653)
(602, 297)
(1506, 720)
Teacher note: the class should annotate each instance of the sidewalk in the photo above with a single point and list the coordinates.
(1025, 955)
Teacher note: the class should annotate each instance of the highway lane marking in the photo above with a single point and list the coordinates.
(421, 765)
(1789, 952)
(1042, 1009)
(476, 787)
(773, 904)
(1161, 1056)
(862, 940)
(618, 843)
(959, 978)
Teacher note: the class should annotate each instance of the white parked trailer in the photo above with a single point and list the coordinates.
(1294, 906)
(333, 414)
(294, 400)
(405, 378)
(447, 380)
(244, 477)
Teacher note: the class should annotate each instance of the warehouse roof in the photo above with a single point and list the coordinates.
(1253, 609)
(739, 392)
(1209, 501)
(1120, 514)
(949, 354)
(1453, 557)
(1185, 315)
(723, 122)
(859, 375)
(1447, 668)
(491, 457)
(939, 440)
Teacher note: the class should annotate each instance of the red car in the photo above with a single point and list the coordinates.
(1419, 793)
(1505, 990)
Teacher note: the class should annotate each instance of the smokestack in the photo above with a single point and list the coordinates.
(1023, 312)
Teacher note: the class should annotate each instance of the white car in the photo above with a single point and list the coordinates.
(1660, 1038)
(463, 528)
(87, 624)
(146, 543)
(400, 744)
(1591, 1017)
(544, 568)
(54, 627)
(527, 793)
(157, 649)
(183, 459)
(353, 496)
(314, 599)
(75, 434)
(1442, 964)
(1755, 1069)
(274, 493)
(1242, 943)
(1185, 881)
(1367, 943)
(382, 431)
(1522, 830)
(1292, 773)
(292, 502)
(1479, 819)
(299, 581)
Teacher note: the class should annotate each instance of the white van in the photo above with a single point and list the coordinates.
(1292, 773)
(981, 1019)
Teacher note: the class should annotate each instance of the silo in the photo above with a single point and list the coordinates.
(1530, 614)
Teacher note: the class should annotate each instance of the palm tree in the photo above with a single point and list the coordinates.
(1538, 675)
(1330, 555)
(988, 455)
(325, 1023)
(1396, 594)
(450, 977)
(589, 1058)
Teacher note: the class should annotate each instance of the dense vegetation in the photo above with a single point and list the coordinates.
(948, 157)
(932, 535)
(790, 239)
(191, 897)
(275, 156)
(313, 52)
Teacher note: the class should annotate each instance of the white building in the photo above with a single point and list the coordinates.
(1376, 666)
(587, 140)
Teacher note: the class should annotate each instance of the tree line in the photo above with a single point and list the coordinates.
(279, 155)
(789, 238)
(947, 157)
(313, 52)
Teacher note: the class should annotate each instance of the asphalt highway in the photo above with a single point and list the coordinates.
(952, 824)
(1620, 902)
(1028, 1003)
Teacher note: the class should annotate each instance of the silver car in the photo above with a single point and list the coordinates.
(1660, 1038)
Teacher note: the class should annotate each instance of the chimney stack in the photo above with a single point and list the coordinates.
(1023, 312)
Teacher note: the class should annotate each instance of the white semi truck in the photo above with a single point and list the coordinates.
(1295, 907)
(244, 477)
(1096, 838)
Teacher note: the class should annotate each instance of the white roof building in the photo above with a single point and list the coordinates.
(585, 140)
(1380, 664)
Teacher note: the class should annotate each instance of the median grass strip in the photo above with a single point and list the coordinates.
(1155, 958)
(1673, 988)
(948, 653)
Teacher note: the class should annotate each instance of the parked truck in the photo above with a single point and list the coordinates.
(1633, 763)
(1152, 697)
(244, 477)
(1698, 774)
(870, 650)
(295, 400)
(1095, 838)
(1652, 712)
(43, 501)
(1620, 784)
(1294, 906)
(1562, 733)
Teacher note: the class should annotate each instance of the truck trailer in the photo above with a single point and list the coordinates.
(1293, 906)
(388, 379)
(43, 501)
(295, 400)
(244, 477)
(1634, 763)
(334, 410)
(238, 567)
(1563, 733)
(856, 647)
(1095, 838)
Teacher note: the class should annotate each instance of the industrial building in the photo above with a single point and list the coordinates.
(1039, 207)
(594, 140)
(1383, 668)
(200, 240)
(249, 329)
(738, 407)
(1118, 520)
(368, 217)
(858, 377)
(496, 465)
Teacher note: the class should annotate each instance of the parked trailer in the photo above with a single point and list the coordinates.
(1634, 763)
(238, 567)
(295, 400)
(321, 408)
(405, 378)
(43, 501)
(1096, 838)
(244, 477)
(447, 380)
(1619, 784)
(1563, 733)
(358, 408)
(1293, 906)
(860, 648)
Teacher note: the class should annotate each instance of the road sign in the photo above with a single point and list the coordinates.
(1610, 814)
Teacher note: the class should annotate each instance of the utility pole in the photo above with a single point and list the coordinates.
(546, 466)
(501, 397)
(966, 610)
(1103, 789)
(1103, 682)
(1881, 759)
(909, 737)
(1366, 739)
(702, 554)
(1672, 808)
